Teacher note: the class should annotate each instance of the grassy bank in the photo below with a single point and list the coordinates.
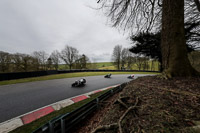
(153, 105)
(67, 75)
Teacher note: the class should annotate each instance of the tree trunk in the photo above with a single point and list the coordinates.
(173, 43)
(70, 66)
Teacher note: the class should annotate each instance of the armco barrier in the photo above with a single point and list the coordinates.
(64, 123)
(19, 75)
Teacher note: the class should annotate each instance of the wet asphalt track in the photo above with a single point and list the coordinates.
(18, 99)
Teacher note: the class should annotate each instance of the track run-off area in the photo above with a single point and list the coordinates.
(18, 99)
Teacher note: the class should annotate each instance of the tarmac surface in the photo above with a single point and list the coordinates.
(18, 99)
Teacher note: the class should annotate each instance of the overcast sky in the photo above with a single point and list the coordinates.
(47, 25)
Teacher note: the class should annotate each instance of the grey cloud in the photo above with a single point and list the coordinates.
(104, 57)
(33, 25)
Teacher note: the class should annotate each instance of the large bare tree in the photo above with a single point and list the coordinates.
(26, 63)
(124, 56)
(5, 61)
(130, 60)
(173, 43)
(41, 57)
(82, 62)
(146, 15)
(116, 56)
(17, 60)
(69, 55)
(55, 57)
(21, 62)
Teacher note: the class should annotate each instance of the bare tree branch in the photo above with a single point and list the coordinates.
(131, 14)
(197, 4)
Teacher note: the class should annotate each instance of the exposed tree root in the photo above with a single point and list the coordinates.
(126, 112)
(164, 76)
(105, 127)
(121, 102)
(168, 74)
(117, 125)
(121, 99)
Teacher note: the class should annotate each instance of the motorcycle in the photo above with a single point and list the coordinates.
(78, 83)
(108, 76)
(131, 76)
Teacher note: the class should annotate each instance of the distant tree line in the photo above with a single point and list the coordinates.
(123, 59)
(40, 60)
(146, 54)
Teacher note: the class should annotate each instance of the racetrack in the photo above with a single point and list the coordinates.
(18, 99)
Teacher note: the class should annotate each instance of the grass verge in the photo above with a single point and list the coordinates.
(39, 122)
(67, 75)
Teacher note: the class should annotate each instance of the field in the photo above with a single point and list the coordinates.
(110, 66)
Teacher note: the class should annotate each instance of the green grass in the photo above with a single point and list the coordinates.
(39, 122)
(156, 66)
(67, 75)
(103, 64)
(97, 65)
(110, 66)
(63, 67)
